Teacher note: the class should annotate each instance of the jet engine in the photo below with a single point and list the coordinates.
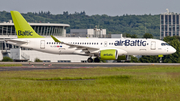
(108, 54)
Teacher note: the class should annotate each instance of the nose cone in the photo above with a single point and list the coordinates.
(171, 50)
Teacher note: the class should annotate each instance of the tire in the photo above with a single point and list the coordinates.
(97, 60)
(89, 60)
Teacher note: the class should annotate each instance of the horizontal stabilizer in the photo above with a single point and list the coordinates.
(17, 41)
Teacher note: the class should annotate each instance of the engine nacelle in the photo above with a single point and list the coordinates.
(109, 54)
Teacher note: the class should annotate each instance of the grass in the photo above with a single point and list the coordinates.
(10, 65)
(142, 83)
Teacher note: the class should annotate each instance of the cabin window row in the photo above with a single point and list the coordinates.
(85, 43)
(81, 43)
(53, 43)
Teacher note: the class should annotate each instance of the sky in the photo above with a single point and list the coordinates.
(93, 7)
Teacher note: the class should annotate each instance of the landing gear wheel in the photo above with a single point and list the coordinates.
(96, 59)
(90, 60)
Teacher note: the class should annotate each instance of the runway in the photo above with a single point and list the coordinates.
(55, 65)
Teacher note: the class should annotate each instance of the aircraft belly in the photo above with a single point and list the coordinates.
(66, 51)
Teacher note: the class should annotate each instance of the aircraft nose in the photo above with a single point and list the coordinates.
(172, 50)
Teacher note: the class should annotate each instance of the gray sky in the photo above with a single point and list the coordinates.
(92, 7)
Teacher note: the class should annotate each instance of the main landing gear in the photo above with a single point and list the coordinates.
(90, 60)
(97, 59)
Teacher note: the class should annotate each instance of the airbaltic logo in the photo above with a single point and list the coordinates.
(25, 33)
(108, 54)
(130, 43)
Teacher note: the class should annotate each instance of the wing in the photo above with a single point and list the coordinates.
(79, 47)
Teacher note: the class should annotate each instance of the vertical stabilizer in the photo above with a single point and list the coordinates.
(23, 29)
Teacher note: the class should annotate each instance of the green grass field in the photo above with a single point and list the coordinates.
(141, 83)
(10, 65)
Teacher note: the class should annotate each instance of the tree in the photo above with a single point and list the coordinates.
(147, 35)
(174, 42)
(7, 59)
(134, 36)
(149, 59)
(168, 39)
(37, 60)
(134, 59)
(127, 35)
(130, 36)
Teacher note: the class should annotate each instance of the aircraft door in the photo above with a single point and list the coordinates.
(153, 45)
(105, 43)
(42, 44)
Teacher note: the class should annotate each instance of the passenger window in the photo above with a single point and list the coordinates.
(49, 42)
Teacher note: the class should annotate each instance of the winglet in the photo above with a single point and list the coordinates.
(55, 39)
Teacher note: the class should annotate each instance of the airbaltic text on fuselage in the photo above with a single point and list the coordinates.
(24, 33)
(130, 43)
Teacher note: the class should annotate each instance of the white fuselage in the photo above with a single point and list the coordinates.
(128, 46)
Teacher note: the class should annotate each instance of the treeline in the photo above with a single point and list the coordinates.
(132, 24)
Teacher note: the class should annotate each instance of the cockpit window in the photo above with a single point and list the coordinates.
(165, 44)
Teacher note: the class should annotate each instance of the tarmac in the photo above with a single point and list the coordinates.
(55, 65)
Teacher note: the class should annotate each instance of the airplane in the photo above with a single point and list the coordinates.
(103, 48)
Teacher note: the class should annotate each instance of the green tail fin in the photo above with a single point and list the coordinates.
(23, 29)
